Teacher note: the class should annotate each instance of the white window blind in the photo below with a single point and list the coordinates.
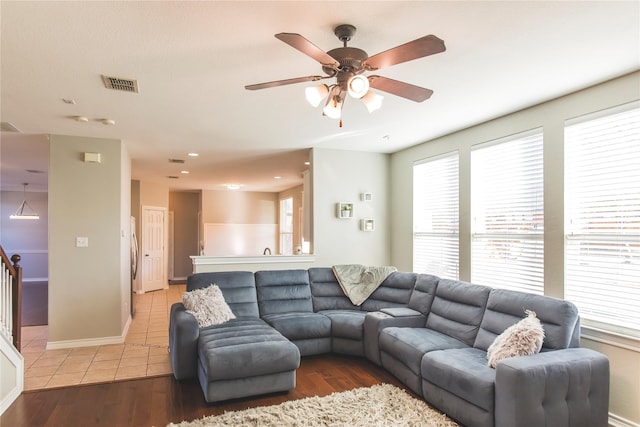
(507, 211)
(435, 216)
(602, 218)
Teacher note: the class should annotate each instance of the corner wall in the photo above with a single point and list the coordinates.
(86, 301)
(340, 176)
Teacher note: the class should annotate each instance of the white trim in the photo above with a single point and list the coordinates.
(92, 342)
(618, 421)
(35, 279)
(610, 338)
(602, 113)
(260, 259)
(17, 360)
(26, 251)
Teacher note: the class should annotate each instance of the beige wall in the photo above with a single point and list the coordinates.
(86, 299)
(239, 207)
(185, 207)
(340, 176)
(625, 359)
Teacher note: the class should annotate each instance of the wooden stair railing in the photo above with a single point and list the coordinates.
(11, 298)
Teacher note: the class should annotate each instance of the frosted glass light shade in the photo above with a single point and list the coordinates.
(335, 100)
(372, 101)
(358, 86)
(315, 94)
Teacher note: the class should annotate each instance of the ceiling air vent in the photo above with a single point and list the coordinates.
(118, 83)
(176, 161)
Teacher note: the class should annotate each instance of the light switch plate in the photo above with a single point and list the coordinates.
(82, 242)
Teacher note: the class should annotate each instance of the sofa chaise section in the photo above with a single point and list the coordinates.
(242, 357)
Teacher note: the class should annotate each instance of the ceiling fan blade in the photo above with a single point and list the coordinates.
(396, 87)
(424, 46)
(305, 46)
(285, 82)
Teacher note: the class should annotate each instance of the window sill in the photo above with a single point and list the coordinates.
(600, 335)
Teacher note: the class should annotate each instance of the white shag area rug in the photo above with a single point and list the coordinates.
(381, 405)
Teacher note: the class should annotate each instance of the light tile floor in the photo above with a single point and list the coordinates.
(143, 354)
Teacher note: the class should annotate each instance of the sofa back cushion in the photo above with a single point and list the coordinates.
(394, 291)
(326, 292)
(457, 309)
(283, 291)
(423, 293)
(559, 318)
(238, 289)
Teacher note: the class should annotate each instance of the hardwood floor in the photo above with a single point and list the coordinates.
(158, 401)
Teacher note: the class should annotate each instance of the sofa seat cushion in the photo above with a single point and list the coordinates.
(243, 348)
(299, 326)
(346, 323)
(409, 345)
(462, 372)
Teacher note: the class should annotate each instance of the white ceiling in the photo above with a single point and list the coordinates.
(193, 59)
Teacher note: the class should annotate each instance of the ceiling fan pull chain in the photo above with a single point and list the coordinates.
(341, 122)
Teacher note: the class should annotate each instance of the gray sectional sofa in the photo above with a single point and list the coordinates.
(432, 334)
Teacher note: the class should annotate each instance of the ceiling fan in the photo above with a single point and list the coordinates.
(347, 65)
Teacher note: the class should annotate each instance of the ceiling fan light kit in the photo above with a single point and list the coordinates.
(315, 94)
(347, 65)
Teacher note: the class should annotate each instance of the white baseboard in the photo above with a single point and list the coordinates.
(618, 421)
(92, 342)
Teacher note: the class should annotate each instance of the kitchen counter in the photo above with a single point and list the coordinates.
(202, 264)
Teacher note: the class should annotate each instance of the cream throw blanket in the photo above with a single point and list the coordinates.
(358, 282)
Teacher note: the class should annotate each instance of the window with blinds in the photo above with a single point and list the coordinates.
(507, 213)
(602, 217)
(435, 216)
(286, 226)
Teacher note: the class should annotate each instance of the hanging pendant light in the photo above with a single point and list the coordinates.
(20, 212)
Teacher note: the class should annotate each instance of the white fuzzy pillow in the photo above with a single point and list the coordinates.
(523, 338)
(208, 306)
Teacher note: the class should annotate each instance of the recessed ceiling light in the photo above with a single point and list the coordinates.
(277, 177)
(233, 186)
(193, 154)
(81, 119)
(185, 172)
(307, 163)
(107, 122)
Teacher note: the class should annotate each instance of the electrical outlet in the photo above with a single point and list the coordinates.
(82, 242)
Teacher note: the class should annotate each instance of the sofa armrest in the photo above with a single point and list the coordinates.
(567, 387)
(376, 321)
(401, 312)
(183, 342)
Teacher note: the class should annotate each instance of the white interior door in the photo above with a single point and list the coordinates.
(152, 255)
